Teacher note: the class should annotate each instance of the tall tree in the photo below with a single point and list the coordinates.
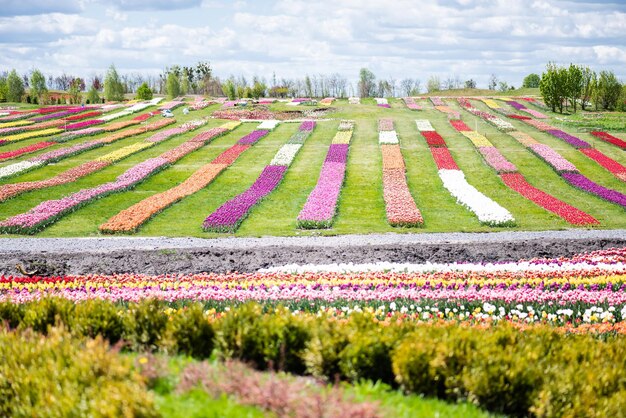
(38, 86)
(553, 86)
(470, 84)
(15, 87)
(433, 84)
(609, 90)
(74, 91)
(367, 83)
(144, 92)
(229, 89)
(588, 75)
(113, 87)
(173, 85)
(531, 81)
(493, 82)
(92, 95)
(574, 84)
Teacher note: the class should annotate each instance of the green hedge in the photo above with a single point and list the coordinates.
(61, 376)
(535, 372)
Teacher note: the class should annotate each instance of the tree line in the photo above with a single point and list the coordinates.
(565, 87)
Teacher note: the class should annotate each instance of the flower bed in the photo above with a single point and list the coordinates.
(31, 134)
(83, 124)
(570, 139)
(443, 158)
(385, 124)
(60, 115)
(523, 108)
(437, 101)
(400, 206)
(496, 160)
(569, 213)
(411, 103)
(459, 125)
(611, 165)
(501, 124)
(50, 211)
(25, 150)
(231, 214)
(583, 183)
(433, 139)
(610, 139)
(68, 136)
(424, 125)
(321, 205)
(553, 158)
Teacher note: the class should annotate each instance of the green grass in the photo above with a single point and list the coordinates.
(198, 404)
(361, 207)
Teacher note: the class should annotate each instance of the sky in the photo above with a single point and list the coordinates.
(394, 39)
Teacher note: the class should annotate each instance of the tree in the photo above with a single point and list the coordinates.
(113, 87)
(92, 95)
(493, 82)
(229, 89)
(38, 85)
(609, 90)
(258, 88)
(367, 83)
(587, 86)
(173, 85)
(621, 106)
(574, 87)
(4, 88)
(470, 84)
(503, 86)
(531, 81)
(144, 92)
(553, 86)
(433, 84)
(308, 87)
(15, 87)
(74, 91)
(406, 85)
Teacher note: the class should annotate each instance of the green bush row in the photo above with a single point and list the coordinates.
(536, 372)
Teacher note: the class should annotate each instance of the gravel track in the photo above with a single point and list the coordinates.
(156, 255)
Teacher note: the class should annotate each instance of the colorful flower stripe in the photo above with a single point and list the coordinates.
(520, 117)
(411, 103)
(11, 190)
(59, 115)
(229, 216)
(583, 183)
(16, 123)
(477, 139)
(611, 165)
(385, 124)
(523, 108)
(553, 158)
(424, 125)
(68, 136)
(487, 210)
(459, 125)
(382, 102)
(542, 126)
(614, 167)
(255, 135)
(25, 150)
(83, 124)
(609, 138)
(569, 213)
(321, 205)
(268, 124)
(492, 104)
(437, 101)
(83, 116)
(50, 211)
(433, 139)
(443, 158)
(518, 183)
(452, 114)
(388, 137)
(400, 206)
(327, 101)
(31, 134)
(501, 124)
(496, 160)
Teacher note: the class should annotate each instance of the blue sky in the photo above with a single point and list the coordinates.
(398, 39)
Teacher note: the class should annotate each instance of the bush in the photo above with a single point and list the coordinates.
(146, 324)
(98, 317)
(276, 340)
(62, 376)
(191, 332)
(144, 92)
(48, 313)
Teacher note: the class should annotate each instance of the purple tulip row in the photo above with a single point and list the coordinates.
(570, 139)
(253, 137)
(582, 182)
(229, 216)
(307, 126)
(68, 136)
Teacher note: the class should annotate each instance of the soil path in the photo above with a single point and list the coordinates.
(155, 255)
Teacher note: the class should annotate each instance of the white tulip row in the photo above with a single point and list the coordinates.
(286, 154)
(428, 267)
(268, 124)
(381, 100)
(424, 125)
(354, 100)
(487, 211)
(388, 137)
(130, 110)
(17, 168)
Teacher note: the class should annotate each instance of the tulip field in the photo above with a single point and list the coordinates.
(418, 164)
